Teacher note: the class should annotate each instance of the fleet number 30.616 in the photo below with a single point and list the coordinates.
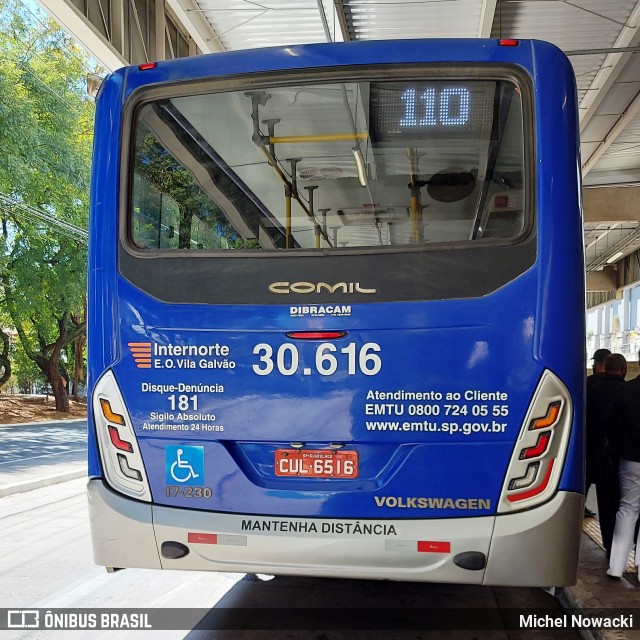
(285, 360)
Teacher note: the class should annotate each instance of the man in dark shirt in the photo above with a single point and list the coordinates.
(599, 466)
(598, 372)
(624, 426)
(598, 366)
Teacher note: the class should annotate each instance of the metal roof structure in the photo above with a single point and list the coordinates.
(600, 37)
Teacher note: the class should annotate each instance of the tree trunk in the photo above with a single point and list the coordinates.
(47, 357)
(5, 363)
(78, 369)
(58, 385)
(184, 233)
(49, 364)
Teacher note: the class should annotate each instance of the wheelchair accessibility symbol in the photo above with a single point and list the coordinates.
(185, 465)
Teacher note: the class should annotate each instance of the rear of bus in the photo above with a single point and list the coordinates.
(335, 318)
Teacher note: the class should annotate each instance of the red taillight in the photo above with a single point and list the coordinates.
(316, 335)
(538, 449)
(120, 455)
(145, 66)
(508, 42)
(118, 442)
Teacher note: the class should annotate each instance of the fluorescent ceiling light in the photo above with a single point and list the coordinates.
(615, 256)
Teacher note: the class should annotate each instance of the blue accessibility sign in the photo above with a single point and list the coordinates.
(184, 464)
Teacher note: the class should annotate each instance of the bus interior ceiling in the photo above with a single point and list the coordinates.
(316, 154)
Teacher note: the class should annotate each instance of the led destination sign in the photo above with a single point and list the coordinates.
(401, 110)
(448, 107)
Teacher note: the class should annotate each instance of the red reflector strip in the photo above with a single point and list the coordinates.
(316, 335)
(431, 546)
(195, 537)
(118, 442)
(202, 538)
(538, 449)
(508, 42)
(536, 490)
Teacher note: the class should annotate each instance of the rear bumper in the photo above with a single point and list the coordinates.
(533, 548)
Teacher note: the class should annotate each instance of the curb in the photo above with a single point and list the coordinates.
(8, 425)
(45, 481)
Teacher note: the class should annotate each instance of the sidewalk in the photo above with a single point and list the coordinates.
(595, 590)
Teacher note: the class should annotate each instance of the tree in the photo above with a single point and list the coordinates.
(5, 360)
(162, 175)
(44, 282)
(46, 123)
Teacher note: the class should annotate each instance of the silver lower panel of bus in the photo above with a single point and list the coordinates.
(538, 547)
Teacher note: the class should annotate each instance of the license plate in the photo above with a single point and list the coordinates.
(316, 463)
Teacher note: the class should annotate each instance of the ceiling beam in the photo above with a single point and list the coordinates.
(91, 40)
(628, 38)
(342, 20)
(625, 118)
(622, 248)
(609, 72)
(605, 280)
(606, 204)
(192, 19)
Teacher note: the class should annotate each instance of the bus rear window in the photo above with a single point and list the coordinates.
(330, 166)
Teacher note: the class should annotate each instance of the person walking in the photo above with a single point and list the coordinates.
(624, 428)
(602, 469)
(598, 366)
(598, 372)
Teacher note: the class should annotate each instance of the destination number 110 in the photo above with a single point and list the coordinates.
(328, 359)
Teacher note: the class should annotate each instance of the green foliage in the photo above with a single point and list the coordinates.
(45, 119)
(171, 209)
(26, 377)
(46, 124)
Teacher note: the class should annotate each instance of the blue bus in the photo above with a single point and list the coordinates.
(336, 313)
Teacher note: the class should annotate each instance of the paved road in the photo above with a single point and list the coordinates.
(328, 609)
(34, 455)
(46, 562)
